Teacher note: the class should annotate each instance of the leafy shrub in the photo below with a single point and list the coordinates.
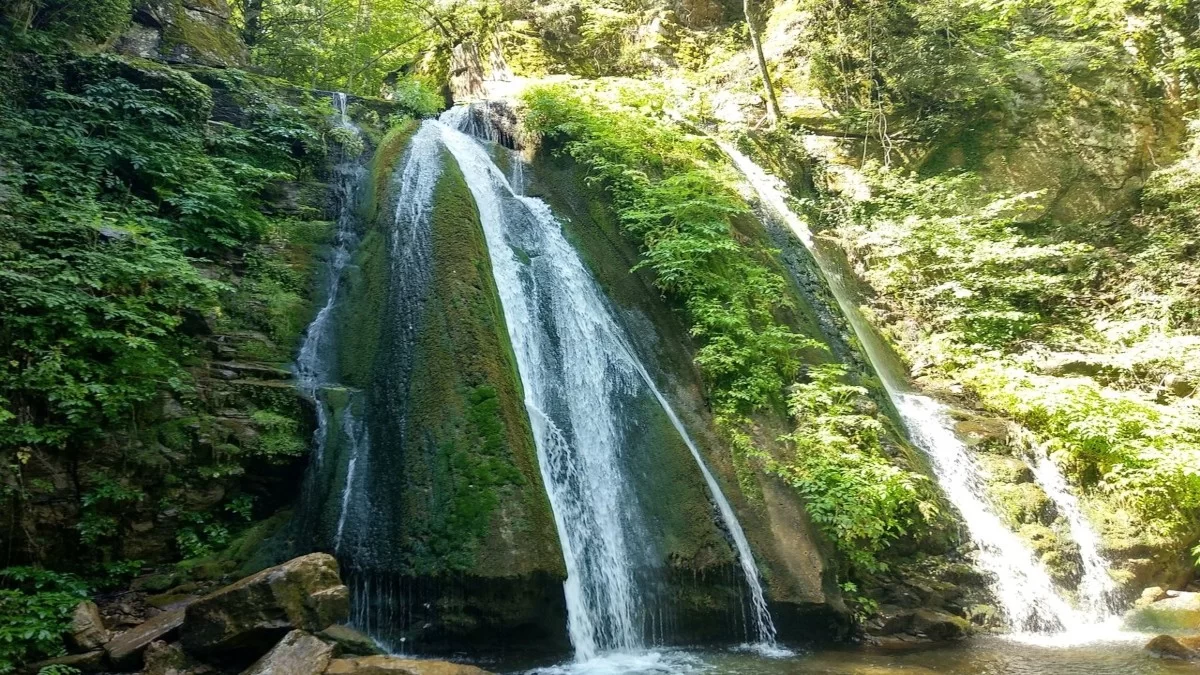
(858, 498)
(35, 609)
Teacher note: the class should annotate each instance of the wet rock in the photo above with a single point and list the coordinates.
(91, 662)
(298, 653)
(1180, 612)
(391, 665)
(86, 632)
(1167, 647)
(125, 650)
(937, 625)
(349, 641)
(250, 616)
(170, 659)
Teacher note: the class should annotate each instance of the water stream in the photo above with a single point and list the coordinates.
(1025, 591)
(576, 366)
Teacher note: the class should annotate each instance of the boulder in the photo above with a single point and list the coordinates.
(346, 640)
(86, 632)
(169, 659)
(938, 625)
(246, 618)
(391, 665)
(1167, 647)
(1180, 612)
(298, 653)
(125, 650)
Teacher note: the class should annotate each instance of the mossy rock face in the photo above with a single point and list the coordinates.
(447, 508)
(184, 31)
(1181, 612)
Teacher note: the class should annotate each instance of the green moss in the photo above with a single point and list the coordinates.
(470, 443)
(219, 46)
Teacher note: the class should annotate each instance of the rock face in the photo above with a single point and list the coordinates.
(248, 616)
(298, 653)
(184, 31)
(390, 665)
(87, 631)
(1180, 612)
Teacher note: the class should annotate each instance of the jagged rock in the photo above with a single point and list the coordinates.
(349, 641)
(391, 665)
(86, 632)
(1167, 647)
(938, 625)
(183, 31)
(1180, 612)
(125, 650)
(91, 662)
(249, 616)
(298, 653)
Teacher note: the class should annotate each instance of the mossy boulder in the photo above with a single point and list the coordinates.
(184, 31)
(249, 616)
(1181, 612)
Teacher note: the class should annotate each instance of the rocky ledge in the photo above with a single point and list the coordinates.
(285, 620)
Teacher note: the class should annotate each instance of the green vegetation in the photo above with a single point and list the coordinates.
(1077, 337)
(859, 498)
(675, 199)
(36, 605)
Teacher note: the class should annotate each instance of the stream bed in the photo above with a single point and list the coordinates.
(1122, 655)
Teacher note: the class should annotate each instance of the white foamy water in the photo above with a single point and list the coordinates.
(1027, 595)
(1096, 592)
(576, 364)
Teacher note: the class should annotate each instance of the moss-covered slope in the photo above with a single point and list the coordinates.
(456, 537)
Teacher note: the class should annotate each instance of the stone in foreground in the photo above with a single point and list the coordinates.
(390, 665)
(86, 632)
(125, 650)
(1167, 647)
(1181, 611)
(298, 653)
(246, 618)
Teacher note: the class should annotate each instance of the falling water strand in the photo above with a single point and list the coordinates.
(575, 363)
(1023, 587)
(312, 368)
(1096, 588)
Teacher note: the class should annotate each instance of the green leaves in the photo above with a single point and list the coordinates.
(35, 610)
(684, 215)
(853, 492)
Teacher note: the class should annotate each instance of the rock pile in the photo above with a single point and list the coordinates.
(285, 620)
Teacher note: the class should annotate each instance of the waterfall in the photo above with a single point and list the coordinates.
(1024, 589)
(576, 367)
(312, 362)
(1096, 591)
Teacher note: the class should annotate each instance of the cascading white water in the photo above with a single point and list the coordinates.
(1096, 588)
(1024, 589)
(312, 365)
(575, 364)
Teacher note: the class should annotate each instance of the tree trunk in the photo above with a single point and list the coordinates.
(773, 113)
(252, 28)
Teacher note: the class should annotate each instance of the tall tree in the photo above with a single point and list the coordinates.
(773, 113)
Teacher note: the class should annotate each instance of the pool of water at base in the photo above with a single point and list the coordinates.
(977, 656)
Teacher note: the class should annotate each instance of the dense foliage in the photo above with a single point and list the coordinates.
(1081, 341)
(895, 67)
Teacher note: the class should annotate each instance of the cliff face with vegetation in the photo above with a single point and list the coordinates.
(1011, 184)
